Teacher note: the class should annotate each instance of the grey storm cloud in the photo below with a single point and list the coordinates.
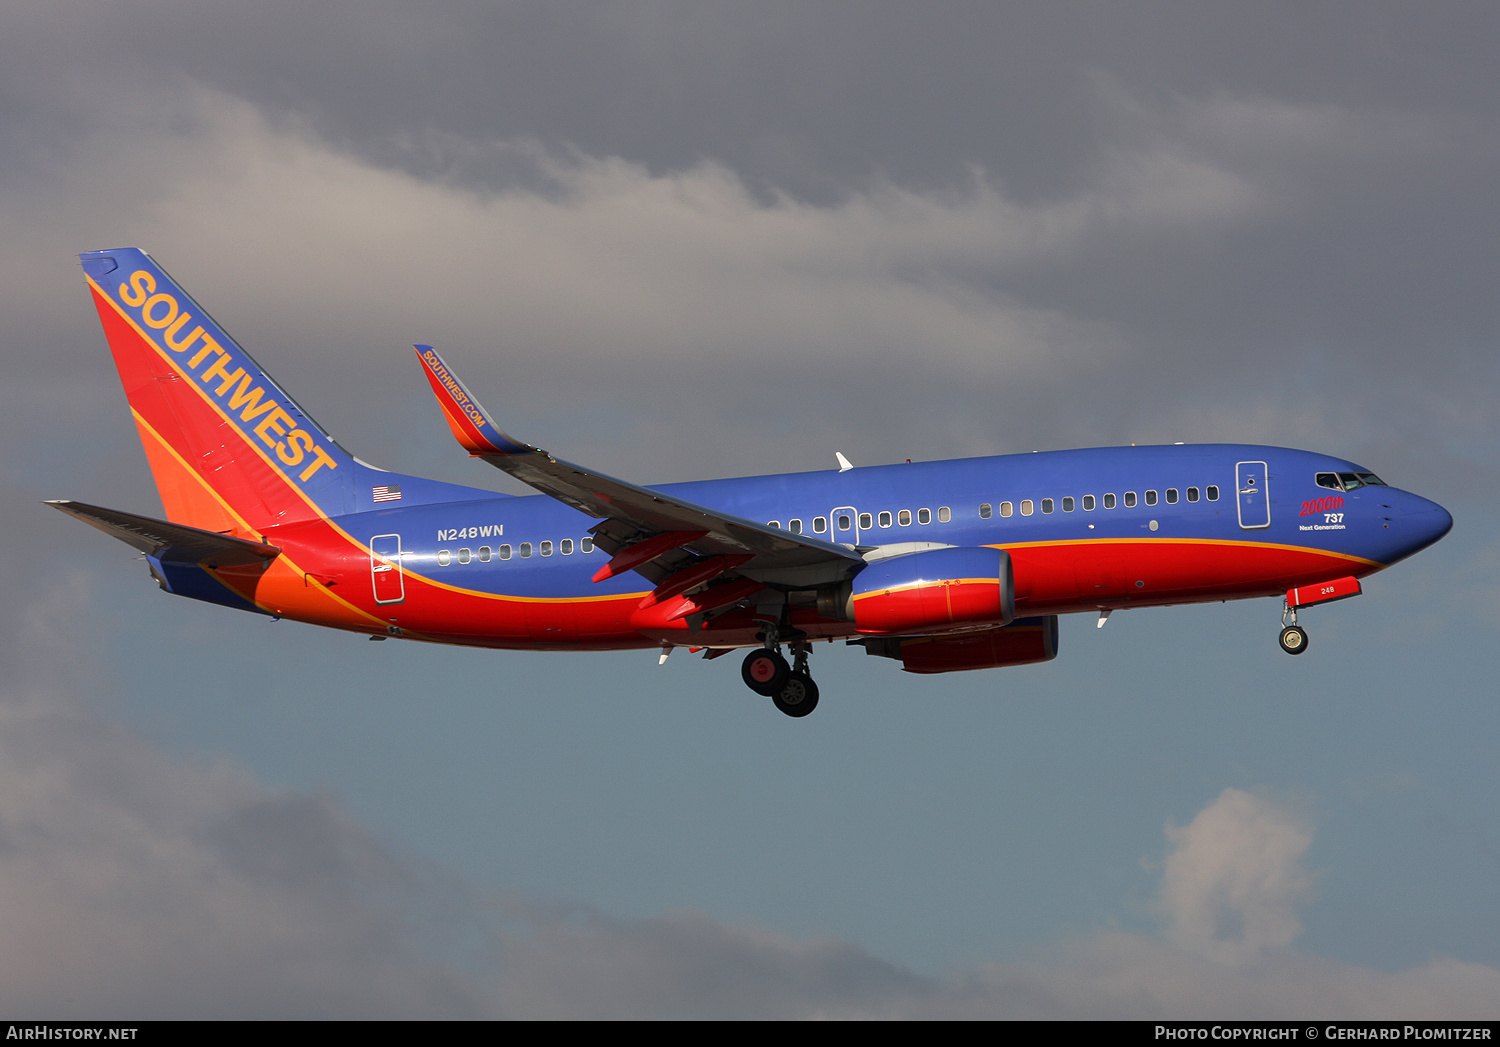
(614, 285)
(1099, 223)
(1064, 226)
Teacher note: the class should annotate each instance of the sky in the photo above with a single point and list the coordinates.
(683, 240)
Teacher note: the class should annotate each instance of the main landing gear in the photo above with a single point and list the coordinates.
(790, 687)
(1293, 637)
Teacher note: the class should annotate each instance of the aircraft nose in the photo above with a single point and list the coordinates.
(1423, 522)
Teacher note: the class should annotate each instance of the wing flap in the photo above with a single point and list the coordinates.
(632, 556)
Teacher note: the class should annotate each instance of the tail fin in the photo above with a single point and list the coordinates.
(229, 450)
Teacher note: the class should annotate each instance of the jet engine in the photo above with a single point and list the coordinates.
(934, 591)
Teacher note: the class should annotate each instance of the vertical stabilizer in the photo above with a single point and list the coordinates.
(229, 450)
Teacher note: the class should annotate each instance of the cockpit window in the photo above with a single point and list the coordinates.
(1349, 481)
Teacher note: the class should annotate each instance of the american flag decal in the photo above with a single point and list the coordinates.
(386, 493)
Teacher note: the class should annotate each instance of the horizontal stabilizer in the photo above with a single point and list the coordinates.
(169, 542)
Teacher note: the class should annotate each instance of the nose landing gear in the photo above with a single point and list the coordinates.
(1293, 637)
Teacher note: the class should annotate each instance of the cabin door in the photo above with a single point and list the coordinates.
(385, 569)
(844, 526)
(1254, 500)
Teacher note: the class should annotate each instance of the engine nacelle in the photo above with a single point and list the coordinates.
(1022, 642)
(935, 591)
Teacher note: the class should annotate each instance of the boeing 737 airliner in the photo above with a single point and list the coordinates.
(941, 566)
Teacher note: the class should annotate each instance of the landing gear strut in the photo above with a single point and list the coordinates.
(1293, 637)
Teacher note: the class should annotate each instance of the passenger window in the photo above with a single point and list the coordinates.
(1109, 501)
(525, 550)
(795, 526)
(1213, 493)
(484, 554)
(586, 545)
(1150, 497)
(945, 514)
(774, 523)
(464, 556)
(444, 557)
(1046, 505)
(1067, 505)
(1006, 509)
(546, 548)
(864, 521)
(1088, 503)
(1130, 499)
(1026, 507)
(1171, 496)
(820, 524)
(505, 552)
(1192, 494)
(566, 547)
(885, 519)
(845, 521)
(904, 518)
(924, 516)
(985, 510)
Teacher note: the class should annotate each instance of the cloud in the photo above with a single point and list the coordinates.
(1231, 886)
(1124, 976)
(609, 265)
(600, 283)
(135, 884)
(1233, 879)
(582, 964)
(1195, 279)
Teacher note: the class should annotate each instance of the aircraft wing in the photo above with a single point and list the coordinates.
(637, 517)
(177, 543)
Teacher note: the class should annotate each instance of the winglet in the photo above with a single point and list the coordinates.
(472, 426)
